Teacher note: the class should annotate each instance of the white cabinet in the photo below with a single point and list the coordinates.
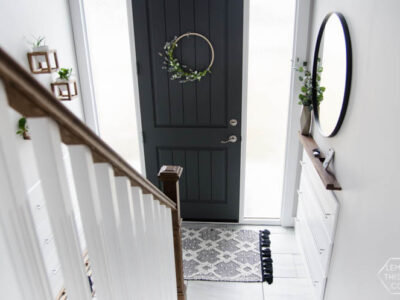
(316, 219)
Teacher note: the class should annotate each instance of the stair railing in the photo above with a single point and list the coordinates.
(132, 229)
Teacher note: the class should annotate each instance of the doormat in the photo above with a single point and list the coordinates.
(224, 254)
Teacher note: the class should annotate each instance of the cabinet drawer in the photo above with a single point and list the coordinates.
(56, 281)
(304, 237)
(313, 219)
(37, 203)
(328, 198)
(324, 199)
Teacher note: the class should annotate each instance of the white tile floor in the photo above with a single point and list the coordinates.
(290, 282)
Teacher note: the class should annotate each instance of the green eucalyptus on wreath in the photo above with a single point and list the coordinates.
(305, 76)
(178, 70)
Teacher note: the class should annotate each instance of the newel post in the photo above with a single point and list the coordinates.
(169, 176)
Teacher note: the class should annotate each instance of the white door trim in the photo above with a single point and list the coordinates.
(78, 21)
(293, 149)
(245, 74)
(136, 85)
(82, 54)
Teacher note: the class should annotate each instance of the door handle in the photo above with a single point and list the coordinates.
(231, 139)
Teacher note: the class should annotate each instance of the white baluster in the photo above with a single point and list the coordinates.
(130, 252)
(92, 218)
(47, 148)
(152, 245)
(163, 249)
(169, 246)
(145, 245)
(109, 208)
(18, 237)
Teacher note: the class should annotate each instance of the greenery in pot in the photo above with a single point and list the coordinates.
(38, 42)
(305, 76)
(179, 71)
(64, 73)
(23, 128)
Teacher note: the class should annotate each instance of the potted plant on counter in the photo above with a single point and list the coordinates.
(306, 94)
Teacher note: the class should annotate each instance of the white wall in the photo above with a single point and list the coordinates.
(367, 150)
(20, 20)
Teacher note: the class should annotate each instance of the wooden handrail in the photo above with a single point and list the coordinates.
(31, 99)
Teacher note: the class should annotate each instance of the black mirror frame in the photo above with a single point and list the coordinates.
(348, 73)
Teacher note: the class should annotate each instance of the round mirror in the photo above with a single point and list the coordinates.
(331, 74)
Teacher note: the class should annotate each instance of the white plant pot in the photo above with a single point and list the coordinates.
(40, 49)
(40, 58)
(305, 121)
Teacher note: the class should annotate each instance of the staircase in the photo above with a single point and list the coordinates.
(131, 228)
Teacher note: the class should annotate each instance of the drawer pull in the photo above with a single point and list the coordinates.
(321, 251)
(48, 240)
(38, 206)
(315, 283)
(55, 271)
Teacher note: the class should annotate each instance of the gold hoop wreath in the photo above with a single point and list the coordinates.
(179, 71)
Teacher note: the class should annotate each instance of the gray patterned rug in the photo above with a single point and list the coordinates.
(221, 254)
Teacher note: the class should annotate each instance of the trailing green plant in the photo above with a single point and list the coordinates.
(305, 76)
(65, 73)
(38, 41)
(22, 127)
(177, 70)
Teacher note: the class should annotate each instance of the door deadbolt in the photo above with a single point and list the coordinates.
(233, 122)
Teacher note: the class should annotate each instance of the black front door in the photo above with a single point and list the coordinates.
(184, 123)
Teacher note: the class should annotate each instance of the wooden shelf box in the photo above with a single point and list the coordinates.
(43, 62)
(65, 90)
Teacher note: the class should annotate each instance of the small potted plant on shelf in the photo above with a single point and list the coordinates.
(63, 77)
(65, 87)
(39, 44)
(23, 129)
(41, 59)
(306, 94)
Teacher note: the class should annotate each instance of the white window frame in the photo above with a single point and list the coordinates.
(78, 21)
(303, 13)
